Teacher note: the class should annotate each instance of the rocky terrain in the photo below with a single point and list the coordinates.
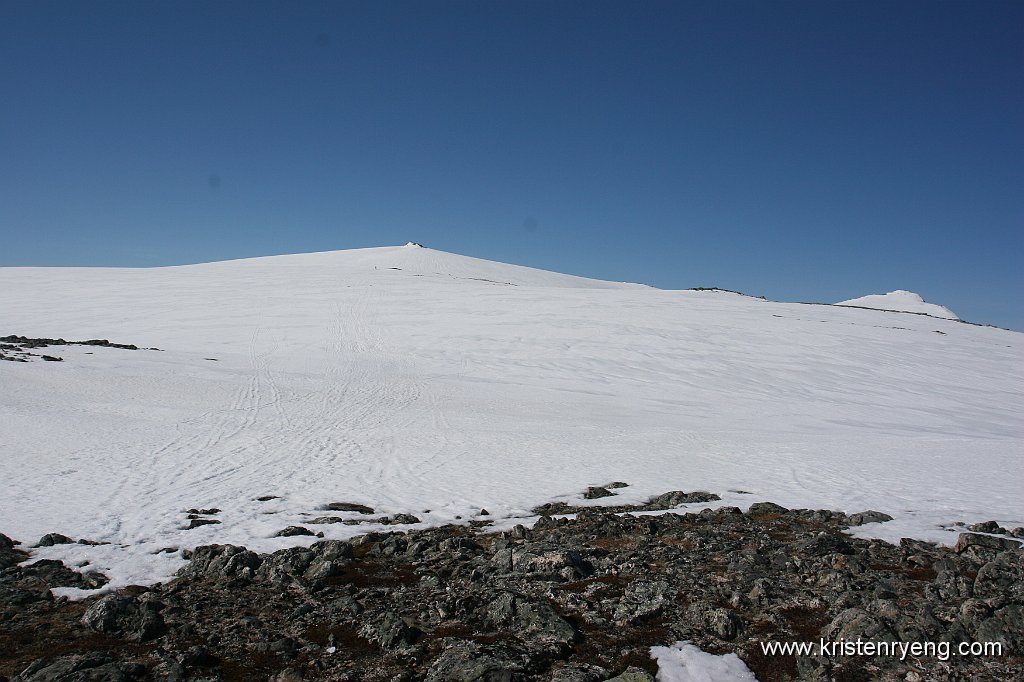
(14, 348)
(574, 600)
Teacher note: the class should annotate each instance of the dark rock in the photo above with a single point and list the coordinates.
(197, 656)
(861, 518)
(579, 672)
(323, 520)
(332, 550)
(987, 527)
(633, 674)
(51, 539)
(292, 531)
(221, 561)
(403, 519)
(825, 543)
(677, 497)
(81, 668)
(764, 508)
(390, 631)
(967, 541)
(547, 603)
(1003, 576)
(196, 523)
(463, 661)
(1005, 626)
(596, 493)
(349, 507)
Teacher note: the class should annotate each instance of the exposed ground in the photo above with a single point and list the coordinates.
(570, 599)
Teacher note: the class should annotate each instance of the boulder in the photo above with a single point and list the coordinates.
(137, 620)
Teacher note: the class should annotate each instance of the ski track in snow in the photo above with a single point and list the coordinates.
(412, 380)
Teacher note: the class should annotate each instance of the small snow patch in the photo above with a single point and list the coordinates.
(685, 662)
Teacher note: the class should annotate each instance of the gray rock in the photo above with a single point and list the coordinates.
(861, 518)
(332, 550)
(390, 630)
(967, 541)
(853, 624)
(522, 616)
(596, 493)
(580, 672)
(677, 497)
(221, 561)
(987, 527)
(764, 508)
(549, 562)
(403, 519)
(633, 674)
(136, 620)
(463, 661)
(1005, 626)
(642, 600)
(1003, 576)
(823, 544)
(284, 565)
(51, 539)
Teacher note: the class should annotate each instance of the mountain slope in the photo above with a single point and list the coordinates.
(453, 384)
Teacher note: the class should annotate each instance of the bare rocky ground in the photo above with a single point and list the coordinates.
(14, 348)
(572, 600)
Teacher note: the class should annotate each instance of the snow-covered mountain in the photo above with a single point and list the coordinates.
(428, 383)
(903, 302)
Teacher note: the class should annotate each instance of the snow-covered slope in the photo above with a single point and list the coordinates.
(901, 301)
(412, 380)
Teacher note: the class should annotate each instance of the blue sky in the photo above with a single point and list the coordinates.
(810, 151)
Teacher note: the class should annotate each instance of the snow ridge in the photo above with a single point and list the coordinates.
(901, 301)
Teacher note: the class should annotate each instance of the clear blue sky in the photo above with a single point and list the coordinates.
(809, 151)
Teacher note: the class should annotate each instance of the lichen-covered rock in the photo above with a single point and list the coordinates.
(221, 561)
(523, 616)
(643, 599)
(678, 497)
(1003, 576)
(853, 624)
(136, 620)
(978, 543)
(390, 630)
(462, 661)
(284, 565)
